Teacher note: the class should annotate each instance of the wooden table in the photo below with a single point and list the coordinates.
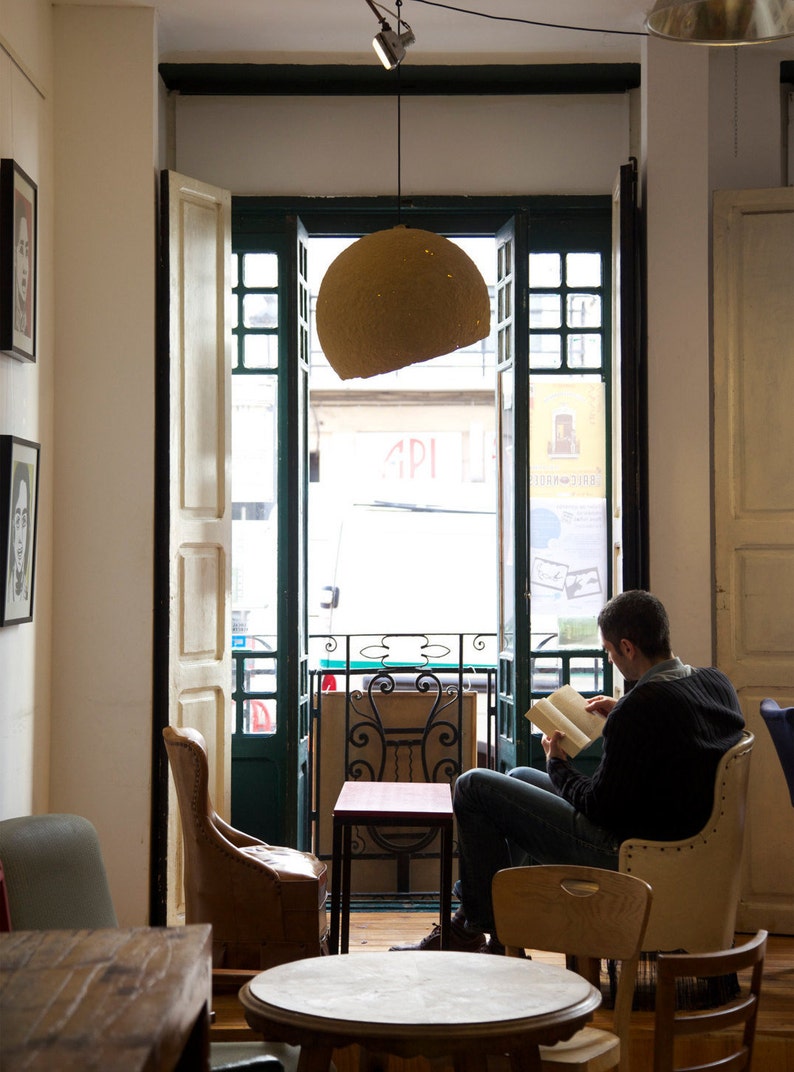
(133, 1000)
(433, 1004)
(390, 804)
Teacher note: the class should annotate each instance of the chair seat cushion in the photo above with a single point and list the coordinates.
(292, 866)
(590, 1048)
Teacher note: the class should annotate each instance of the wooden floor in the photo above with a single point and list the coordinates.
(774, 1050)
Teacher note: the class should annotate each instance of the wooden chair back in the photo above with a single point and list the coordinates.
(587, 913)
(670, 1024)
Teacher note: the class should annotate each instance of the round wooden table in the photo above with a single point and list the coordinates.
(433, 1004)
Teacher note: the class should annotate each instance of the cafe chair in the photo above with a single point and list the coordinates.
(54, 878)
(671, 1025)
(696, 881)
(266, 903)
(590, 915)
(780, 723)
(54, 873)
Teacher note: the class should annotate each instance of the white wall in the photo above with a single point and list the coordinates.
(702, 130)
(26, 409)
(106, 136)
(334, 146)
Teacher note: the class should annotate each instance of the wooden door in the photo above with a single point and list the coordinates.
(195, 389)
(754, 513)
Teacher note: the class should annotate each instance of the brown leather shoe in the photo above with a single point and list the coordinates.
(460, 941)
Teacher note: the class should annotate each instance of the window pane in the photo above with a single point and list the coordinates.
(254, 527)
(260, 310)
(568, 521)
(259, 716)
(545, 351)
(545, 311)
(504, 261)
(583, 311)
(545, 270)
(260, 269)
(260, 351)
(584, 351)
(506, 448)
(505, 300)
(583, 269)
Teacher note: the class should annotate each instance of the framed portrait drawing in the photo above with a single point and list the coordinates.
(19, 499)
(18, 261)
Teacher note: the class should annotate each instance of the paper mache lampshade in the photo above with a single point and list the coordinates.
(397, 297)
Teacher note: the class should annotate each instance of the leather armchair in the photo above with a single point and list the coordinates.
(266, 903)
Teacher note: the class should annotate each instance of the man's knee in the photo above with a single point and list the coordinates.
(469, 784)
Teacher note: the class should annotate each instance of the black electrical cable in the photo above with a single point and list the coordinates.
(531, 22)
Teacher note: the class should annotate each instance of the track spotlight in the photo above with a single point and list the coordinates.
(390, 46)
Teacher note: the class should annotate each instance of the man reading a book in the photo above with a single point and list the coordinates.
(662, 742)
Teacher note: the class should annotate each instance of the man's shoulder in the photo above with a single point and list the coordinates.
(702, 678)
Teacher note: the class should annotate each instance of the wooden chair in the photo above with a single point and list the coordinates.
(696, 881)
(670, 1024)
(588, 914)
(266, 903)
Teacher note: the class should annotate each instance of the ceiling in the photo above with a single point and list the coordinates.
(341, 31)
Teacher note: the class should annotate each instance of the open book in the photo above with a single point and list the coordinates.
(565, 710)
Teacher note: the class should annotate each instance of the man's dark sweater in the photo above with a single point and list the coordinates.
(662, 743)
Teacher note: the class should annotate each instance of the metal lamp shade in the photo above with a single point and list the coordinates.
(722, 22)
(397, 297)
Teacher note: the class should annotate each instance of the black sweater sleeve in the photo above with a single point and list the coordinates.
(661, 745)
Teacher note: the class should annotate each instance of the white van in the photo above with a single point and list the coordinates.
(407, 568)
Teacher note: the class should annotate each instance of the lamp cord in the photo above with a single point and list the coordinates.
(735, 102)
(399, 123)
(531, 22)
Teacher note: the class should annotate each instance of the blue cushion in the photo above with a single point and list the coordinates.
(780, 723)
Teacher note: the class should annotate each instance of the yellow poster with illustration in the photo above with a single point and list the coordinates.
(567, 437)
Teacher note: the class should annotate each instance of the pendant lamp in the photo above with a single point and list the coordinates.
(396, 297)
(722, 22)
(399, 296)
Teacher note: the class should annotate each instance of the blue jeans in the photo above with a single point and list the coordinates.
(506, 820)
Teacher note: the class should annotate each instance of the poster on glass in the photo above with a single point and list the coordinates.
(19, 493)
(18, 244)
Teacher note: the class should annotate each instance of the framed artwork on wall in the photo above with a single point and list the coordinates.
(19, 225)
(19, 496)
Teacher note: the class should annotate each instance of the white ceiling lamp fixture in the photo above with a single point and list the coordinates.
(722, 22)
(399, 296)
(390, 46)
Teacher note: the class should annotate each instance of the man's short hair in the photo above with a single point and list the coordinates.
(639, 617)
